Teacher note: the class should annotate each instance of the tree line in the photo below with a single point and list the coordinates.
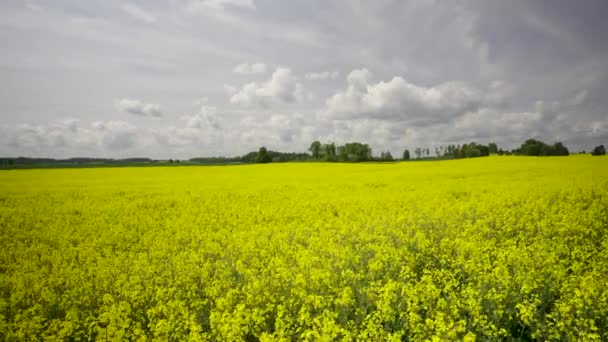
(361, 152)
(532, 147)
(352, 152)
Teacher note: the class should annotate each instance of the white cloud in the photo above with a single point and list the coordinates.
(202, 128)
(246, 68)
(44, 138)
(221, 4)
(276, 131)
(579, 98)
(594, 129)
(282, 87)
(220, 9)
(399, 100)
(600, 128)
(494, 123)
(33, 6)
(139, 13)
(378, 133)
(359, 78)
(71, 124)
(67, 138)
(323, 75)
(205, 118)
(116, 134)
(137, 107)
(230, 89)
(28, 136)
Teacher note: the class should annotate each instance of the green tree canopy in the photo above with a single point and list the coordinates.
(315, 149)
(599, 151)
(533, 147)
(262, 156)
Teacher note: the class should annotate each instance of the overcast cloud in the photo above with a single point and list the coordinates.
(188, 78)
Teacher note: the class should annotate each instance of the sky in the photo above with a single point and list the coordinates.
(191, 78)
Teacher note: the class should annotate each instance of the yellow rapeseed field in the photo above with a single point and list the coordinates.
(481, 249)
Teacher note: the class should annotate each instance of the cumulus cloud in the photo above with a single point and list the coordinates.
(380, 134)
(491, 123)
(203, 127)
(226, 11)
(69, 137)
(49, 137)
(221, 4)
(28, 136)
(137, 107)
(400, 100)
(278, 129)
(230, 89)
(246, 68)
(282, 87)
(579, 98)
(139, 13)
(397, 113)
(71, 124)
(33, 6)
(116, 134)
(323, 75)
(598, 129)
(205, 118)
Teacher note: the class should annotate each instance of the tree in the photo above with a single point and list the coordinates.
(356, 152)
(449, 151)
(342, 155)
(484, 151)
(406, 155)
(599, 151)
(493, 148)
(329, 152)
(262, 156)
(472, 152)
(315, 149)
(558, 149)
(532, 147)
(386, 156)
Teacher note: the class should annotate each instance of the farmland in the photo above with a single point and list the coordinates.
(480, 249)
